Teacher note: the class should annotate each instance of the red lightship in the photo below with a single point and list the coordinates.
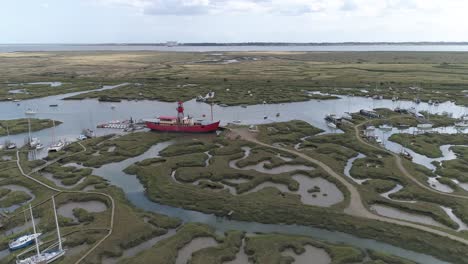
(181, 123)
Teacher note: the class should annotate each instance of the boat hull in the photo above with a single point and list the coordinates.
(183, 128)
(23, 245)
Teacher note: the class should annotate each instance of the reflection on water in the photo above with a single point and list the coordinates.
(349, 165)
(399, 214)
(77, 115)
(456, 219)
(260, 167)
(397, 188)
(66, 210)
(13, 188)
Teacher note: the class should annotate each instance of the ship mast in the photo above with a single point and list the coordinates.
(180, 111)
(211, 111)
(34, 228)
(56, 223)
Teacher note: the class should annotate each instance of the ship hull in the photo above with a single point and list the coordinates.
(182, 128)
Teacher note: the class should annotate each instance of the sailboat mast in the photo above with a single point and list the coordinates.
(29, 130)
(53, 132)
(56, 223)
(34, 229)
(211, 112)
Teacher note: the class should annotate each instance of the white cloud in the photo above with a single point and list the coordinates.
(197, 7)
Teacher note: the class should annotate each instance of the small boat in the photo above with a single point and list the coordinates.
(39, 146)
(347, 116)
(34, 142)
(265, 117)
(430, 102)
(237, 121)
(463, 123)
(11, 146)
(29, 111)
(331, 125)
(378, 140)
(436, 103)
(56, 146)
(53, 105)
(88, 133)
(417, 100)
(82, 137)
(244, 106)
(402, 126)
(405, 154)
(200, 99)
(278, 114)
(386, 127)
(17, 100)
(424, 126)
(23, 241)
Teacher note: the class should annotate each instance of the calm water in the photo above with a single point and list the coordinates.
(77, 115)
(56, 47)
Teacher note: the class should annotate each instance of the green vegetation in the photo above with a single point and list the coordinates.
(258, 207)
(67, 175)
(456, 168)
(82, 215)
(379, 256)
(287, 132)
(270, 76)
(30, 90)
(14, 197)
(267, 249)
(126, 146)
(429, 144)
(17, 126)
(226, 251)
(166, 251)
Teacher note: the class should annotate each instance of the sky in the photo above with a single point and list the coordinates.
(155, 21)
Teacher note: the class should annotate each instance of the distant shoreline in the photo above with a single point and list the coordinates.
(422, 43)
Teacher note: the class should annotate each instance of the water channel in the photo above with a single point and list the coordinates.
(135, 193)
(77, 115)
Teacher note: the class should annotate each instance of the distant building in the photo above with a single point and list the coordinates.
(171, 43)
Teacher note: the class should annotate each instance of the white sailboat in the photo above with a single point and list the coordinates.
(25, 240)
(385, 127)
(48, 256)
(331, 125)
(34, 142)
(9, 145)
(55, 146)
(30, 111)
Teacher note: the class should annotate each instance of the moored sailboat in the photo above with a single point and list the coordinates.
(48, 256)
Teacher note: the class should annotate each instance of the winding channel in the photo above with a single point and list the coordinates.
(135, 193)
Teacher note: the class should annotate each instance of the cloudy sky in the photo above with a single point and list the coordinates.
(127, 21)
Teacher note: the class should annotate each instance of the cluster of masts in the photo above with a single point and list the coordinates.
(46, 256)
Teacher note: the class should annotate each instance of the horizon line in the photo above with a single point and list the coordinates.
(252, 43)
